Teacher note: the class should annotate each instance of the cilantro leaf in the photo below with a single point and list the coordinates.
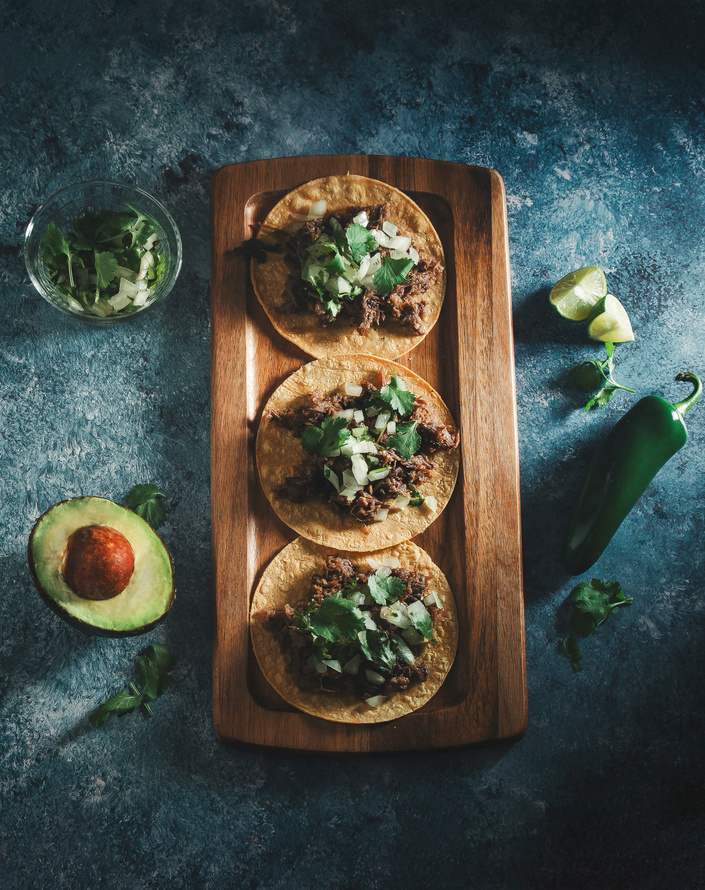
(597, 374)
(105, 268)
(572, 651)
(54, 245)
(422, 622)
(406, 441)
(338, 234)
(391, 273)
(396, 396)
(153, 668)
(147, 502)
(336, 618)
(385, 590)
(594, 601)
(332, 433)
(360, 241)
(377, 649)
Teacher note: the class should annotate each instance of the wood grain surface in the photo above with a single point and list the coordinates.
(468, 358)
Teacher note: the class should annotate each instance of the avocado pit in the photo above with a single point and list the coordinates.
(98, 562)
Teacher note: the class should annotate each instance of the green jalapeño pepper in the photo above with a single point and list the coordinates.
(636, 448)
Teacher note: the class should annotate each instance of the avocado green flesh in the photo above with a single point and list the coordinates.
(150, 590)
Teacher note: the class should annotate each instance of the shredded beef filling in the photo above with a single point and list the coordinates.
(405, 304)
(298, 647)
(308, 480)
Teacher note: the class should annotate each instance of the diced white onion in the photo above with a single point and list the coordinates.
(392, 426)
(353, 389)
(332, 477)
(413, 254)
(404, 650)
(349, 481)
(376, 475)
(413, 637)
(352, 666)
(400, 242)
(430, 503)
(389, 228)
(119, 301)
(359, 469)
(359, 416)
(370, 623)
(373, 563)
(347, 413)
(401, 501)
(374, 678)
(124, 272)
(381, 238)
(128, 288)
(382, 420)
(376, 700)
(333, 664)
(141, 298)
(383, 571)
(349, 494)
(361, 219)
(316, 664)
(395, 614)
(381, 515)
(364, 446)
(358, 431)
(432, 599)
(392, 562)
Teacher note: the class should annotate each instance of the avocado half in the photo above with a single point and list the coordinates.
(150, 589)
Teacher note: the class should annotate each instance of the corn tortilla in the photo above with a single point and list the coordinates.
(287, 579)
(390, 339)
(279, 452)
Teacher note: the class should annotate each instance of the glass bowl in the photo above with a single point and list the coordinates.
(92, 196)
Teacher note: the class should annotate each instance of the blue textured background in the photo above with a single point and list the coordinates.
(593, 112)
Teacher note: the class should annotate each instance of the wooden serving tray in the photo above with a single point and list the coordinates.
(468, 358)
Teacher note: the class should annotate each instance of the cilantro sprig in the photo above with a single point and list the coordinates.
(406, 441)
(148, 502)
(331, 434)
(391, 273)
(154, 668)
(593, 602)
(597, 375)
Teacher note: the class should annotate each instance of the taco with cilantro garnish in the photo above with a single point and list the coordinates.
(358, 453)
(354, 638)
(356, 267)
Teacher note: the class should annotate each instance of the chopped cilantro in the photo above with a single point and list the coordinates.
(406, 441)
(397, 397)
(360, 241)
(377, 649)
(391, 273)
(89, 264)
(332, 433)
(385, 590)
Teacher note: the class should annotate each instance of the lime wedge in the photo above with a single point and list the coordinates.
(608, 320)
(575, 294)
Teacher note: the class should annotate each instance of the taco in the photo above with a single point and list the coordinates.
(350, 265)
(357, 453)
(354, 638)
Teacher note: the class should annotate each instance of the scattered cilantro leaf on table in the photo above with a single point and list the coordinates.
(148, 502)
(593, 602)
(597, 375)
(153, 667)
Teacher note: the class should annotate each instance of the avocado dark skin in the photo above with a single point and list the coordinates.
(95, 577)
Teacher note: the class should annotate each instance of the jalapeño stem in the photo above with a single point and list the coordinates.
(688, 377)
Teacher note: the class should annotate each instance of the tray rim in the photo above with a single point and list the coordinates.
(518, 722)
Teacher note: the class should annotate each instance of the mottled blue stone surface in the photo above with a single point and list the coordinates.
(594, 114)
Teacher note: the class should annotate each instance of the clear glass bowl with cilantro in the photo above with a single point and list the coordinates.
(103, 251)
